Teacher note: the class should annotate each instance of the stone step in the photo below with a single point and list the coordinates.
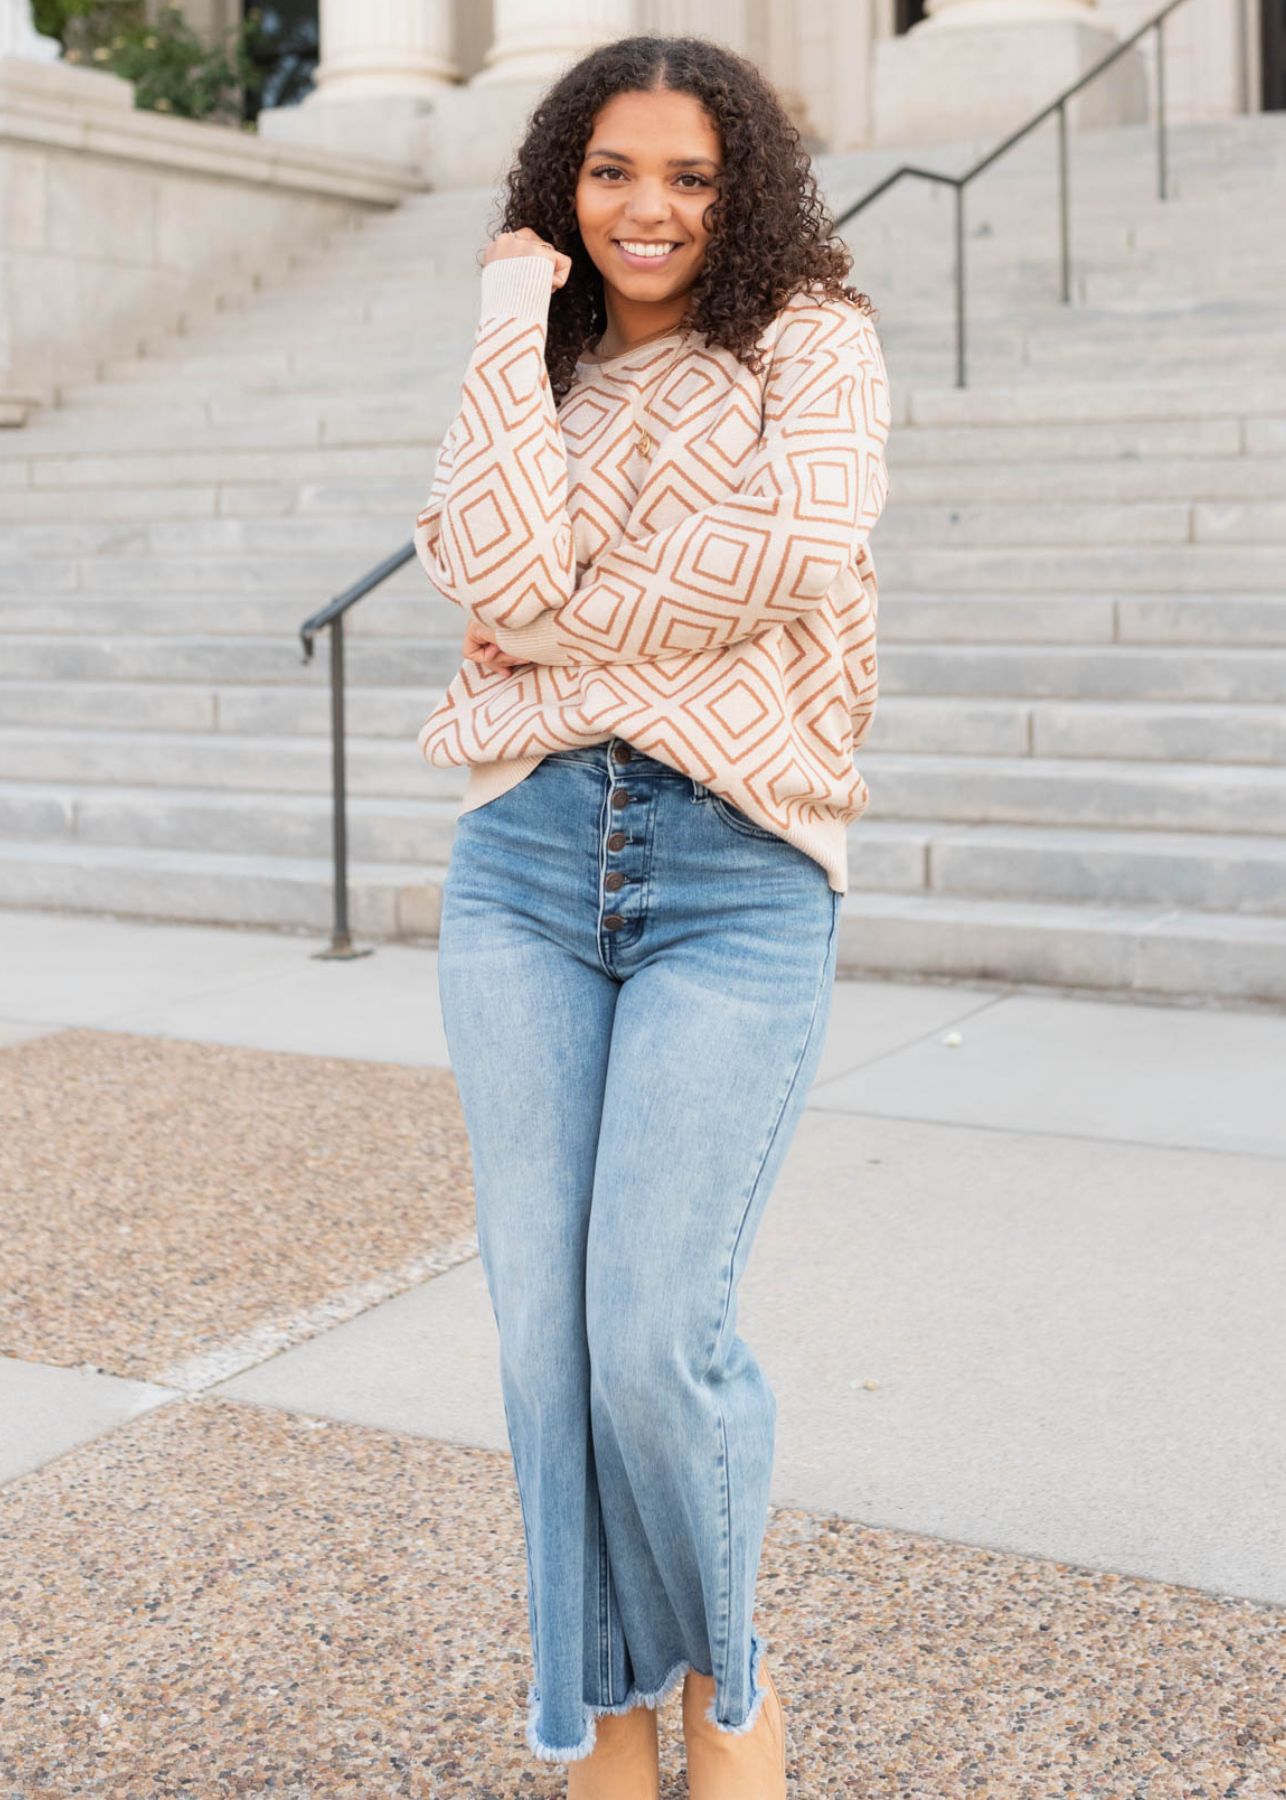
(394, 501)
(200, 887)
(256, 771)
(1233, 620)
(1232, 479)
(359, 538)
(295, 425)
(1068, 671)
(414, 609)
(1207, 873)
(1091, 672)
(1064, 403)
(1060, 563)
(1109, 444)
(309, 576)
(909, 724)
(239, 468)
(1169, 796)
(983, 789)
(1187, 568)
(179, 386)
(1105, 867)
(270, 661)
(1107, 949)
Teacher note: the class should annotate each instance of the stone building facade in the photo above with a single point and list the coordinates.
(447, 83)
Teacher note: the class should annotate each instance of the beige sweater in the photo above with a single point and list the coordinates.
(713, 603)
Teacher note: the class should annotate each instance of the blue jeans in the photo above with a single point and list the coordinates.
(635, 982)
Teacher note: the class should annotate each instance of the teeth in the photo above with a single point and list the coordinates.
(646, 249)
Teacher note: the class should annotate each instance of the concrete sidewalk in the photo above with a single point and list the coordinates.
(1018, 1291)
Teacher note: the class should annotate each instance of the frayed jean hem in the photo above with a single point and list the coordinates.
(656, 1699)
(636, 1697)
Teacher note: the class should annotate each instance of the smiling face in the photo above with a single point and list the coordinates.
(649, 173)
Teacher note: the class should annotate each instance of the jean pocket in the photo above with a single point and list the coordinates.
(739, 821)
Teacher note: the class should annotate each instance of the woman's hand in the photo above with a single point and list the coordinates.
(525, 242)
(481, 648)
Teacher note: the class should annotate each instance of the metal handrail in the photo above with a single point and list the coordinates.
(1058, 105)
(332, 617)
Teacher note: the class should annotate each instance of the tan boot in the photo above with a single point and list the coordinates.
(624, 1763)
(723, 1765)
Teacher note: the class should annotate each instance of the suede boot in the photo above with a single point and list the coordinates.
(624, 1763)
(723, 1765)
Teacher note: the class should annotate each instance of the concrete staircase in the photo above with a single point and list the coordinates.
(1078, 765)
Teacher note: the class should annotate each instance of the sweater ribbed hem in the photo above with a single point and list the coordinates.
(517, 287)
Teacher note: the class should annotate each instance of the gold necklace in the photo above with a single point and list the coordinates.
(646, 442)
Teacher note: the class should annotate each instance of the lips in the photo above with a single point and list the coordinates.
(642, 262)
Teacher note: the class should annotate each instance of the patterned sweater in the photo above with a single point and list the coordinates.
(714, 603)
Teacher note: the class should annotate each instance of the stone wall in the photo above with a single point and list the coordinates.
(115, 221)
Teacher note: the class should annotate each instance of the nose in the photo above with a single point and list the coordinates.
(648, 203)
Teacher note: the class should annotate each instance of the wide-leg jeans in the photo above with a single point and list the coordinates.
(635, 981)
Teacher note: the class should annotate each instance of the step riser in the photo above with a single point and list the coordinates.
(1202, 882)
(1218, 799)
(1177, 961)
(904, 725)
(271, 662)
(392, 769)
(1000, 671)
(878, 938)
(1234, 479)
(907, 619)
(1165, 568)
(1189, 568)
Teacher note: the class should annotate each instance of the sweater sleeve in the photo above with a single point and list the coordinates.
(766, 554)
(495, 535)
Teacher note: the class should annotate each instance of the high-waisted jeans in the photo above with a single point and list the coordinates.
(635, 982)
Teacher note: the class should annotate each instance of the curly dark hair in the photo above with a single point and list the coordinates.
(770, 232)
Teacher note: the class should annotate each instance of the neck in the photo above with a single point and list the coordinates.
(631, 322)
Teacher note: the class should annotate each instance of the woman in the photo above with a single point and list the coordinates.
(653, 505)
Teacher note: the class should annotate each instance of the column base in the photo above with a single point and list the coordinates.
(960, 82)
(395, 129)
(477, 131)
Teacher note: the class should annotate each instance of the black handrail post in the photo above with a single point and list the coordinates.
(960, 285)
(1065, 227)
(332, 617)
(1161, 170)
(341, 944)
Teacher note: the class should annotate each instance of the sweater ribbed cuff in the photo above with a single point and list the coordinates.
(537, 642)
(517, 287)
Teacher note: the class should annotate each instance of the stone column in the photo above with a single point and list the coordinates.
(534, 39)
(383, 65)
(974, 70)
(478, 127)
(19, 37)
(723, 21)
(371, 49)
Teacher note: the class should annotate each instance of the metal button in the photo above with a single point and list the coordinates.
(613, 881)
(617, 841)
(622, 753)
(613, 921)
(620, 798)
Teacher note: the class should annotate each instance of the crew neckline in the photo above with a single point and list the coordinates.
(603, 362)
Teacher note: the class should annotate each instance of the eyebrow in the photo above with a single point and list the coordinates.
(675, 162)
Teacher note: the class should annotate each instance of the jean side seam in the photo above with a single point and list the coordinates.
(772, 1134)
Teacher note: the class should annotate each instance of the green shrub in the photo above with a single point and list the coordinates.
(173, 69)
